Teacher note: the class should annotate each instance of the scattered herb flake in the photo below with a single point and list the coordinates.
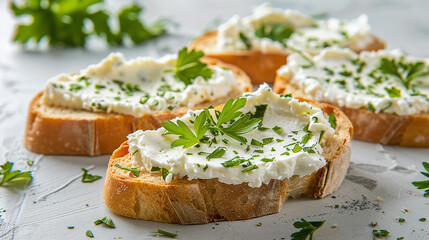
(134, 171)
(307, 229)
(88, 178)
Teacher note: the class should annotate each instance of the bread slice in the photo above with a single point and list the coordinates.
(58, 130)
(199, 201)
(261, 67)
(384, 128)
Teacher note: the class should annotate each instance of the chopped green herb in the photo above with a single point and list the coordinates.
(405, 72)
(99, 86)
(422, 184)
(205, 168)
(89, 234)
(256, 143)
(106, 220)
(266, 141)
(332, 120)
(249, 168)
(143, 100)
(296, 148)
(306, 137)
(279, 140)
(170, 108)
(285, 153)
(380, 233)
(154, 169)
(307, 229)
(134, 152)
(164, 173)
(273, 150)
(74, 87)
(275, 32)
(370, 107)
(70, 227)
(328, 71)
(217, 153)
(259, 151)
(401, 220)
(245, 40)
(233, 162)
(134, 171)
(88, 178)
(393, 92)
(267, 159)
(165, 233)
(422, 219)
(278, 130)
(14, 178)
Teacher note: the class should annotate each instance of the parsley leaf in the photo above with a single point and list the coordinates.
(230, 110)
(189, 66)
(423, 184)
(63, 23)
(393, 92)
(308, 229)
(278, 130)
(14, 178)
(186, 137)
(88, 178)
(106, 220)
(134, 171)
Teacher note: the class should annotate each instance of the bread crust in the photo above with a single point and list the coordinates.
(261, 67)
(198, 201)
(384, 128)
(58, 130)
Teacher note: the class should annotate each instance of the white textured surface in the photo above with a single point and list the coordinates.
(375, 170)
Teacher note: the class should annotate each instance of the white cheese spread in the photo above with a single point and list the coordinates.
(291, 29)
(136, 87)
(286, 144)
(382, 81)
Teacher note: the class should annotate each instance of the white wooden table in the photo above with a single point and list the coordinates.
(376, 170)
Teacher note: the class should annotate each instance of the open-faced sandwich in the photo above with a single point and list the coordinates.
(384, 93)
(92, 112)
(238, 161)
(260, 43)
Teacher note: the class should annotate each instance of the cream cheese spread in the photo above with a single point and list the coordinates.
(271, 29)
(382, 81)
(136, 87)
(287, 143)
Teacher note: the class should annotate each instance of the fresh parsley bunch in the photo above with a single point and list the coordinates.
(70, 22)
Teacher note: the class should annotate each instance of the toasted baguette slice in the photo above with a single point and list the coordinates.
(58, 130)
(384, 128)
(199, 201)
(261, 67)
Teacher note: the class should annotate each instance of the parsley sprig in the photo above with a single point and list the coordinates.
(423, 184)
(14, 178)
(189, 66)
(307, 229)
(106, 220)
(88, 178)
(204, 122)
(405, 72)
(64, 23)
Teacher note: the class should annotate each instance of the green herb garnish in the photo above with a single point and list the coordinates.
(255, 142)
(275, 32)
(217, 153)
(296, 148)
(423, 184)
(106, 220)
(405, 72)
(370, 107)
(233, 162)
(134, 171)
(245, 40)
(189, 66)
(14, 178)
(249, 168)
(278, 130)
(393, 92)
(307, 229)
(332, 120)
(64, 23)
(89, 234)
(165, 233)
(380, 233)
(88, 178)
